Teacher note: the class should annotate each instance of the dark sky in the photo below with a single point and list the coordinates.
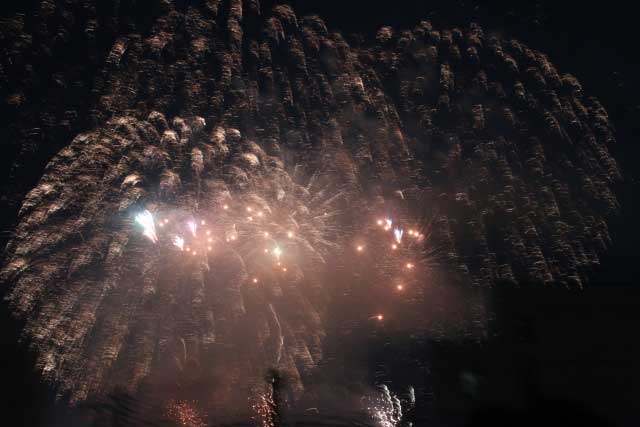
(554, 350)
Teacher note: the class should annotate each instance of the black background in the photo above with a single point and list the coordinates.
(556, 357)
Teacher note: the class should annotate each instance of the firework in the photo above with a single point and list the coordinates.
(101, 314)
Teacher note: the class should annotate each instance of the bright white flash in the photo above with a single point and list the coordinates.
(277, 252)
(179, 242)
(389, 222)
(192, 226)
(398, 232)
(145, 219)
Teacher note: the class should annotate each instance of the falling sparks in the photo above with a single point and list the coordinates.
(394, 246)
(225, 207)
(385, 408)
(178, 242)
(379, 317)
(255, 280)
(399, 287)
(145, 219)
(290, 234)
(359, 248)
(184, 413)
(409, 265)
(265, 410)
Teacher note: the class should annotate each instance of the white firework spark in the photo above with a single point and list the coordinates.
(397, 233)
(178, 242)
(193, 227)
(145, 219)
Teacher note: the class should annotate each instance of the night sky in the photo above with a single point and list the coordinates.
(555, 357)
